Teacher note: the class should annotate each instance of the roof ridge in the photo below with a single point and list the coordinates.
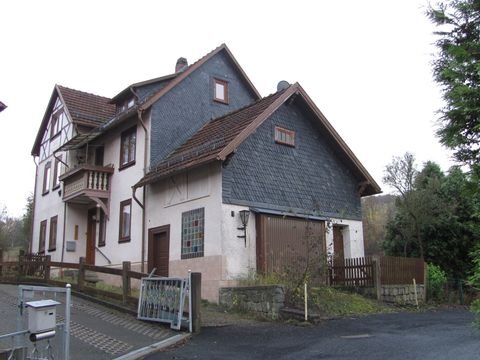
(81, 91)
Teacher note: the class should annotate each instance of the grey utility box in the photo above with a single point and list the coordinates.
(41, 315)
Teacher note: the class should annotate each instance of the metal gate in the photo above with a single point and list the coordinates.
(164, 300)
(54, 344)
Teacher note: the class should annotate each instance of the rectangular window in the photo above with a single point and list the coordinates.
(42, 237)
(102, 230)
(52, 237)
(57, 172)
(193, 225)
(56, 124)
(220, 91)
(46, 178)
(127, 148)
(125, 220)
(284, 136)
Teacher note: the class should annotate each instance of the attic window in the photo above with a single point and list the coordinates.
(284, 136)
(127, 104)
(220, 91)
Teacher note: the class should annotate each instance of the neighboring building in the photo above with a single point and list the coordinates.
(159, 175)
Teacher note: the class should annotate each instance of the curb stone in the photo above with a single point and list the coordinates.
(147, 350)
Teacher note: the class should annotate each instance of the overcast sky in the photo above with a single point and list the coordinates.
(366, 64)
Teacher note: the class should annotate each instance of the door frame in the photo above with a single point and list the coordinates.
(151, 233)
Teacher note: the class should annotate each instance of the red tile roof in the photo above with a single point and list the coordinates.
(210, 140)
(85, 108)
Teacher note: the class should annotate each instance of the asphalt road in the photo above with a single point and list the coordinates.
(438, 335)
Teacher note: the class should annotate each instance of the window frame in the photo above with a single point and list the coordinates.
(46, 178)
(57, 169)
(224, 83)
(131, 156)
(187, 236)
(52, 235)
(121, 237)
(42, 236)
(56, 127)
(279, 131)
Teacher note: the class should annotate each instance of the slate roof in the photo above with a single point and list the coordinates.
(85, 108)
(220, 137)
(209, 142)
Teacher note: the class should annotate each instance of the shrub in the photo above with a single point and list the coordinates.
(437, 279)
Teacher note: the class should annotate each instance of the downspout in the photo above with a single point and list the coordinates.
(30, 243)
(142, 206)
(64, 228)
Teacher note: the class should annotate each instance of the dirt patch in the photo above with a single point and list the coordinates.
(215, 315)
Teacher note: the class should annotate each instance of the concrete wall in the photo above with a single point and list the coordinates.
(168, 199)
(352, 231)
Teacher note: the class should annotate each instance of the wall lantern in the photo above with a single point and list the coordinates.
(244, 214)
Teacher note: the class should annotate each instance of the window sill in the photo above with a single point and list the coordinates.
(224, 102)
(52, 249)
(101, 245)
(127, 165)
(124, 240)
(192, 256)
(56, 187)
(45, 192)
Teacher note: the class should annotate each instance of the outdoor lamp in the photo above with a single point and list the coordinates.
(244, 214)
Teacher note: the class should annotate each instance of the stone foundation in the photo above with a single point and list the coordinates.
(265, 301)
(402, 294)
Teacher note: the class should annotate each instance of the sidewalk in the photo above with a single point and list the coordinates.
(97, 332)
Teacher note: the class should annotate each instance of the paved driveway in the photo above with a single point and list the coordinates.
(426, 335)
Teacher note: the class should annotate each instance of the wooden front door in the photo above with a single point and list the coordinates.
(91, 236)
(159, 250)
(338, 250)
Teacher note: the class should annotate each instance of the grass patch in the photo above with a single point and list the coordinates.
(328, 301)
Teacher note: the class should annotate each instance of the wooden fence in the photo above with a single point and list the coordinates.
(34, 268)
(384, 270)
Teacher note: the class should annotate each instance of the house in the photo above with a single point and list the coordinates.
(195, 171)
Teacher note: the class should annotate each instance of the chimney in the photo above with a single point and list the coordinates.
(181, 64)
(282, 85)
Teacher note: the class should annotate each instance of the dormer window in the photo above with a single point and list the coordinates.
(220, 91)
(284, 136)
(127, 104)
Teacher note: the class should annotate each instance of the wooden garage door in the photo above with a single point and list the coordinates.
(287, 244)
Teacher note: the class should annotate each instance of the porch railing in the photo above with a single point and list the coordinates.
(86, 179)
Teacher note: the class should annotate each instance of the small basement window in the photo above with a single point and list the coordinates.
(220, 91)
(284, 136)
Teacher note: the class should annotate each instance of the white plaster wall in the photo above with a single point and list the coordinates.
(76, 215)
(240, 255)
(47, 206)
(168, 199)
(352, 231)
(121, 183)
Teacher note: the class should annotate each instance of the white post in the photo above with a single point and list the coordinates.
(415, 291)
(306, 303)
(67, 321)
